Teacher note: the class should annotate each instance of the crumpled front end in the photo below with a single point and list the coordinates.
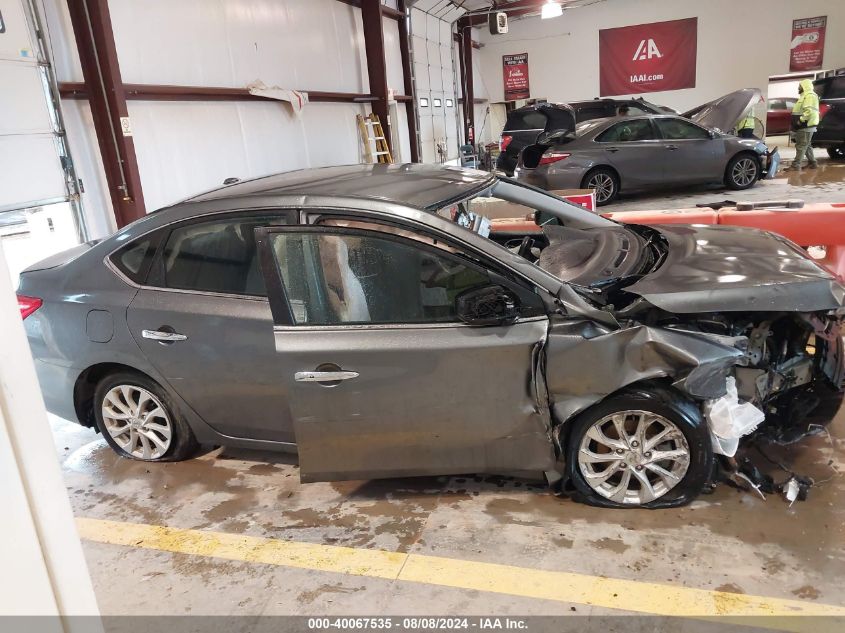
(587, 362)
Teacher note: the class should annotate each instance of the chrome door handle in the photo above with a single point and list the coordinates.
(324, 376)
(612, 149)
(167, 337)
(671, 146)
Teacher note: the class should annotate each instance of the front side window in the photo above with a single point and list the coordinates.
(676, 129)
(357, 277)
(218, 256)
(627, 131)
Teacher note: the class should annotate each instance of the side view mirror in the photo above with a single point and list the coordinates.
(487, 305)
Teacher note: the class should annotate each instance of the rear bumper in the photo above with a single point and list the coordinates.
(57, 383)
(551, 181)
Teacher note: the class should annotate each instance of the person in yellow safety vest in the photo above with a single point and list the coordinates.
(745, 128)
(805, 118)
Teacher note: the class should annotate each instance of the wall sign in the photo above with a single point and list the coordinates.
(806, 51)
(515, 71)
(648, 57)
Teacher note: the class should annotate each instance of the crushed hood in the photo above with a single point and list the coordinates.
(736, 269)
(725, 112)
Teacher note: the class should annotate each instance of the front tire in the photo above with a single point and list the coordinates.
(742, 172)
(836, 153)
(645, 447)
(139, 420)
(604, 182)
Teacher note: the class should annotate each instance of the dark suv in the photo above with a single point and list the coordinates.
(525, 124)
(831, 130)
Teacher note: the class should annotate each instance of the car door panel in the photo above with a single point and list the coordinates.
(224, 368)
(222, 362)
(688, 160)
(426, 401)
(416, 398)
(631, 148)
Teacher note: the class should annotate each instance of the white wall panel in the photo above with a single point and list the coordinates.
(187, 147)
(178, 157)
(302, 44)
(563, 53)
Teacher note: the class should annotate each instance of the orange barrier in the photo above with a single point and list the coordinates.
(674, 216)
(812, 225)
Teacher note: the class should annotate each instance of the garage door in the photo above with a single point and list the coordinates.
(30, 167)
(38, 216)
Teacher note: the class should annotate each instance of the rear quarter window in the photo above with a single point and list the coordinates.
(833, 88)
(134, 259)
(520, 121)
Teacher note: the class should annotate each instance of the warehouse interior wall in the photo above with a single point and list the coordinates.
(186, 147)
(740, 45)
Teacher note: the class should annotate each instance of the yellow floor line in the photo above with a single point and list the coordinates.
(613, 593)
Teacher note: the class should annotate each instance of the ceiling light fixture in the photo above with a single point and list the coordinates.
(551, 10)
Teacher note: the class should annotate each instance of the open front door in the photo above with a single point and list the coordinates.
(383, 378)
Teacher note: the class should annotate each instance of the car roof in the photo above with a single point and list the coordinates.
(411, 184)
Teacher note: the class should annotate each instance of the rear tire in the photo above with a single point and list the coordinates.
(836, 153)
(139, 420)
(742, 172)
(605, 182)
(614, 448)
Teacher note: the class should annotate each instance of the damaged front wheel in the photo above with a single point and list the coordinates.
(640, 448)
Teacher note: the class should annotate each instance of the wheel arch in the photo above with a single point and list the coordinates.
(607, 166)
(86, 384)
(660, 388)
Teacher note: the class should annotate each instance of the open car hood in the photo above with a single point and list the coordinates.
(724, 113)
(736, 269)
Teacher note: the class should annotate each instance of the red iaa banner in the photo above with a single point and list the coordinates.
(806, 51)
(515, 70)
(648, 57)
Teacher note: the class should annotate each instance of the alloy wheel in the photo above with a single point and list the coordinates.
(603, 185)
(744, 172)
(137, 421)
(633, 457)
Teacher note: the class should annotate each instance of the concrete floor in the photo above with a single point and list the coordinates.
(730, 541)
(825, 184)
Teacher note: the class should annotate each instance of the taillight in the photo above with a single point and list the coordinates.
(28, 305)
(552, 157)
(504, 142)
(823, 108)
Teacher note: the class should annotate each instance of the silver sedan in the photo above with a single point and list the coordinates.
(639, 153)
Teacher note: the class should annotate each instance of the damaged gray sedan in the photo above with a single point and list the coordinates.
(364, 317)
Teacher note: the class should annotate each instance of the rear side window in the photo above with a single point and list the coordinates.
(520, 121)
(598, 111)
(833, 88)
(134, 259)
(627, 131)
(218, 256)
